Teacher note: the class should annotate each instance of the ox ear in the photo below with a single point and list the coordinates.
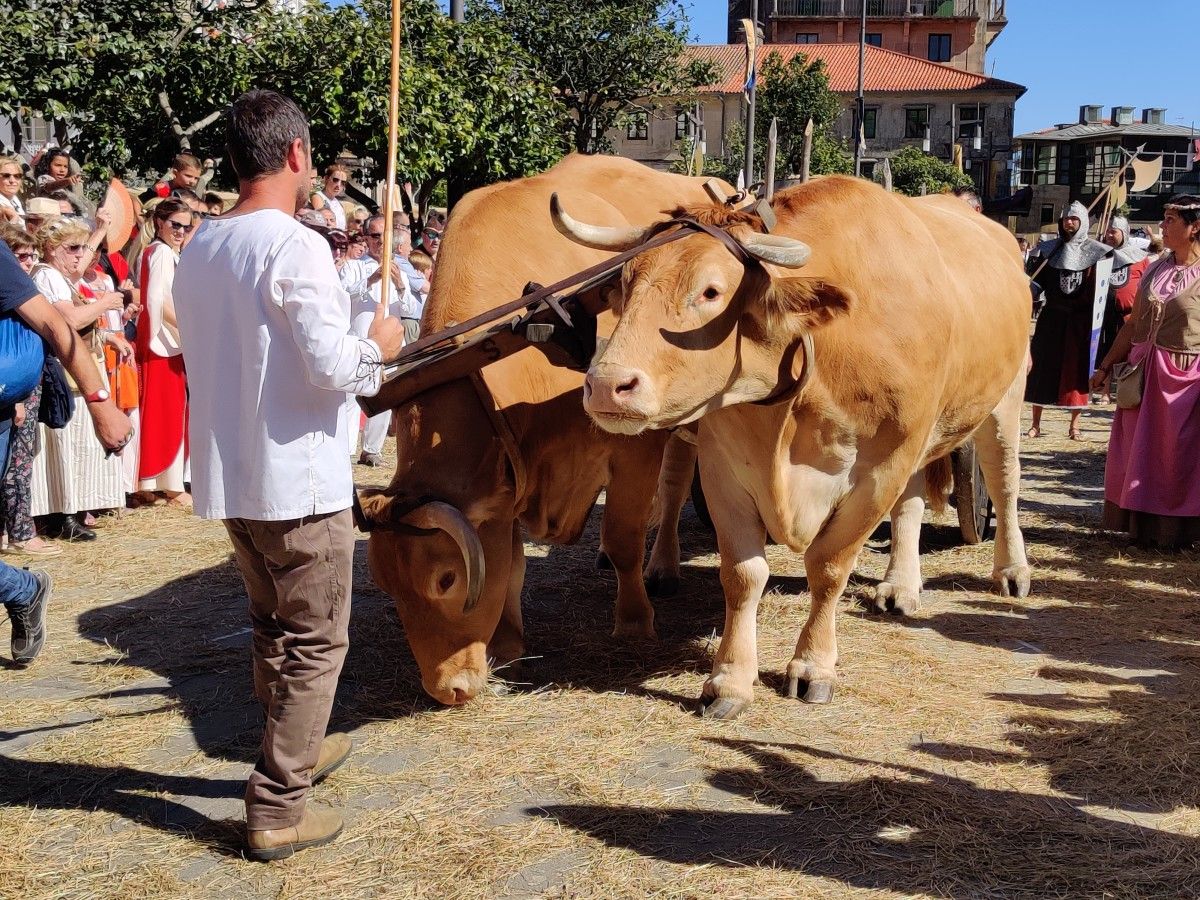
(795, 304)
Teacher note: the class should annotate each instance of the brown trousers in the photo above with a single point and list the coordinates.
(298, 576)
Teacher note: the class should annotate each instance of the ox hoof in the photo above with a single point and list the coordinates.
(894, 598)
(816, 691)
(603, 563)
(635, 631)
(662, 585)
(1012, 581)
(722, 708)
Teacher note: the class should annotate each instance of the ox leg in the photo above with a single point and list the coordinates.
(630, 494)
(828, 562)
(900, 590)
(997, 441)
(674, 482)
(742, 541)
(508, 641)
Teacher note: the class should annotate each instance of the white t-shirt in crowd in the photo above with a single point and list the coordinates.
(339, 211)
(265, 327)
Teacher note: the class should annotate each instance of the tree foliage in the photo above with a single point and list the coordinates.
(913, 169)
(500, 96)
(606, 59)
(792, 92)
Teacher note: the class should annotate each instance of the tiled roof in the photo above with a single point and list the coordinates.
(886, 70)
(1106, 129)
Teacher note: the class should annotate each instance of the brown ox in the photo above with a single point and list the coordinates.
(532, 458)
(918, 312)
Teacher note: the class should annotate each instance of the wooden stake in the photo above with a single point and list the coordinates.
(772, 149)
(806, 153)
(389, 194)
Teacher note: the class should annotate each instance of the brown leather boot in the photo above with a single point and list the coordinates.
(335, 749)
(317, 827)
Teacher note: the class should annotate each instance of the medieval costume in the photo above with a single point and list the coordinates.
(162, 452)
(1129, 263)
(1062, 337)
(1150, 484)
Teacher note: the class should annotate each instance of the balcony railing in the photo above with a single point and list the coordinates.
(891, 9)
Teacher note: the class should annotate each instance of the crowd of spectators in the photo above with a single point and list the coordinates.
(115, 290)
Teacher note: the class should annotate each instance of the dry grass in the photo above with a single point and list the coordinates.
(982, 748)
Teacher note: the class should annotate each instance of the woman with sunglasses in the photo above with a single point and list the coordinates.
(162, 448)
(11, 179)
(72, 474)
(330, 196)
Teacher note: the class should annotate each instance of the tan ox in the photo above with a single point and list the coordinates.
(467, 478)
(918, 312)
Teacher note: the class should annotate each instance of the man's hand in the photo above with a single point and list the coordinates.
(8, 213)
(112, 426)
(18, 415)
(388, 333)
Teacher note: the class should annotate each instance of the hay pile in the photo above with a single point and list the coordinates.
(983, 747)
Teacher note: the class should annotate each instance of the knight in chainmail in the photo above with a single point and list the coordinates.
(1065, 271)
(1129, 263)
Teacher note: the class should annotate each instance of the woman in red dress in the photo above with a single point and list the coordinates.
(163, 447)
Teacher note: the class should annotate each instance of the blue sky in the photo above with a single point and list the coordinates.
(1070, 52)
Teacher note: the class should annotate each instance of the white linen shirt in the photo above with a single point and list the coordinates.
(265, 327)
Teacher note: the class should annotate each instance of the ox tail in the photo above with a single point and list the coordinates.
(939, 479)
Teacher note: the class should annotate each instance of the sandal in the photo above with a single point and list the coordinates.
(1074, 434)
(33, 547)
(1033, 433)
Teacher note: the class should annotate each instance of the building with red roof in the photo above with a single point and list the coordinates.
(910, 101)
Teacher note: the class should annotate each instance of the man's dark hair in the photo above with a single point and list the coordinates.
(187, 195)
(261, 127)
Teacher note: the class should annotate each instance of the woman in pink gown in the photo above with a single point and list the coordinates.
(1151, 488)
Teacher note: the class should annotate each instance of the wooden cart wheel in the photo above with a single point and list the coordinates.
(699, 503)
(970, 495)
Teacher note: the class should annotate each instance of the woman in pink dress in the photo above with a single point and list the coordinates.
(1151, 488)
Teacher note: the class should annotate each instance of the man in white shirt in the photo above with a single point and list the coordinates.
(330, 195)
(266, 329)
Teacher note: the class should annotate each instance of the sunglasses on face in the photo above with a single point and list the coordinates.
(185, 227)
(73, 248)
(337, 180)
(432, 235)
(13, 175)
(26, 256)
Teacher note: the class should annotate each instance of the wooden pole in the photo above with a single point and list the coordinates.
(772, 149)
(389, 195)
(806, 153)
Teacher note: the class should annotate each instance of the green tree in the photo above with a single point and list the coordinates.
(914, 170)
(791, 92)
(604, 58)
(150, 75)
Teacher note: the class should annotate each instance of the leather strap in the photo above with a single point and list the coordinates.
(503, 431)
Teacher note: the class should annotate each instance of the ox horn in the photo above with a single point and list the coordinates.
(436, 515)
(598, 237)
(776, 249)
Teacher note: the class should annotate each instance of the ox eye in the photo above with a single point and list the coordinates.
(711, 293)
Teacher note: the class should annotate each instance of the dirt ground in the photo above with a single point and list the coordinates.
(981, 748)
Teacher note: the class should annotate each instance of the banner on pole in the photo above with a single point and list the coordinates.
(751, 54)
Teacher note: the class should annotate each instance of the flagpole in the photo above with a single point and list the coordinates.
(860, 104)
(385, 262)
(752, 67)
